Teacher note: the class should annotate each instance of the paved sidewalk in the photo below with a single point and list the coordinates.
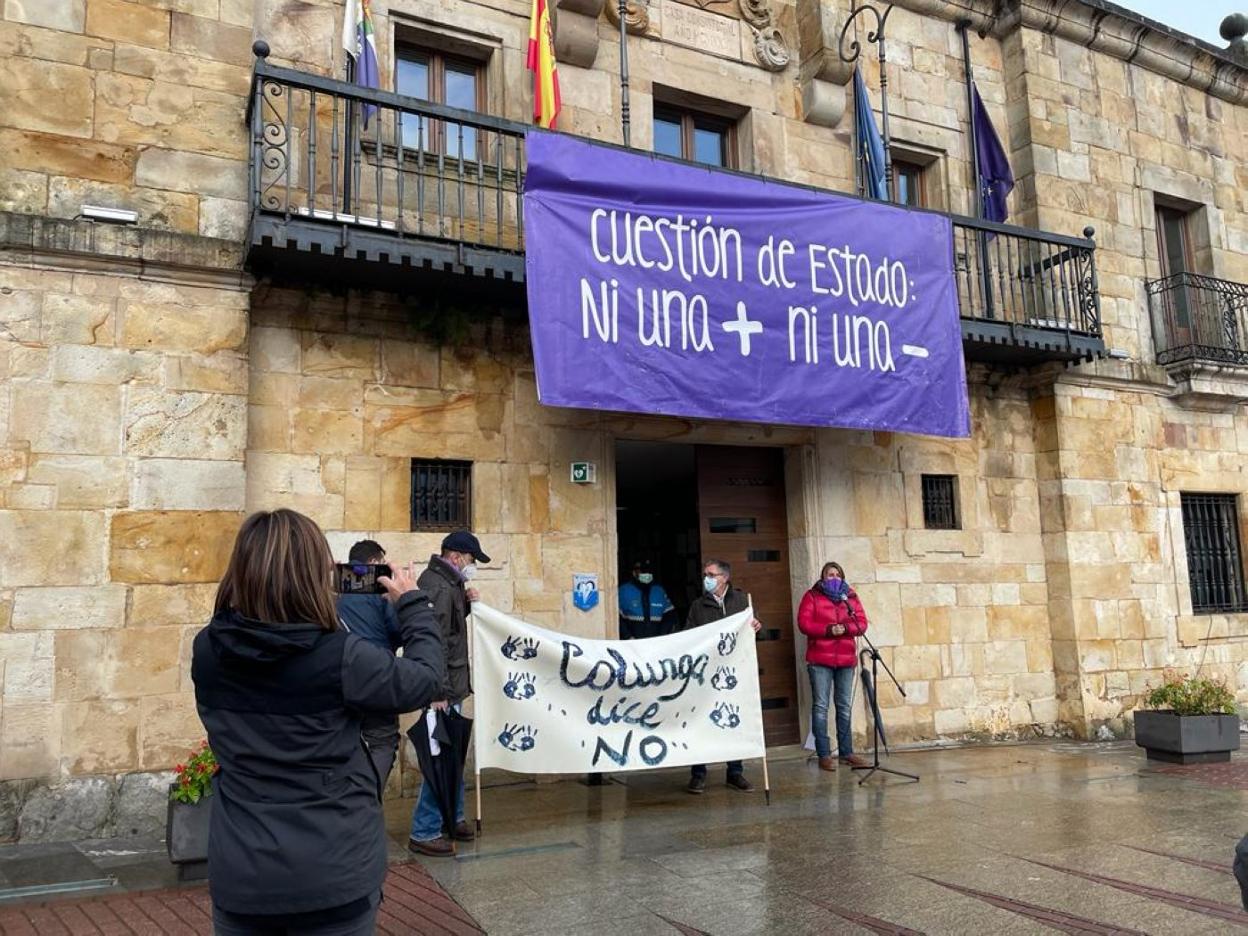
(414, 904)
(1037, 838)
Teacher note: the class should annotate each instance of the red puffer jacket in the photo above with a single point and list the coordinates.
(815, 617)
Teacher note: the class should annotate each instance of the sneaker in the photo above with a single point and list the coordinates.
(436, 848)
(697, 785)
(827, 762)
(853, 760)
(738, 782)
(463, 832)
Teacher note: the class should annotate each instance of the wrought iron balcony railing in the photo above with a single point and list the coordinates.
(339, 171)
(1199, 319)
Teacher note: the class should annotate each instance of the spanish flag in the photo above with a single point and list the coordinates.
(542, 63)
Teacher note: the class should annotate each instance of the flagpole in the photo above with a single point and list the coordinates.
(348, 162)
(624, 118)
(977, 188)
(875, 35)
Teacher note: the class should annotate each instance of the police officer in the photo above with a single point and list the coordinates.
(645, 609)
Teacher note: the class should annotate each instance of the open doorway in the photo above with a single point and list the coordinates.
(656, 511)
(679, 505)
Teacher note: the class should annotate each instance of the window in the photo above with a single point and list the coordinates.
(1215, 565)
(940, 502)
(442, 79)
(908, 186)
(1173, 241)
(695, 136)
(441, 494)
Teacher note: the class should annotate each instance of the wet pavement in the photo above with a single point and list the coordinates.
(1086, 838)
(1077, 838)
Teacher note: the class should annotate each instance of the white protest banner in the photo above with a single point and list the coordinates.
(550, 703)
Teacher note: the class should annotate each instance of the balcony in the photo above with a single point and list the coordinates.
(1200, 329)
(372, 189)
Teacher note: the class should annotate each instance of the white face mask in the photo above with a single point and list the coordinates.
(645, 578)
(469, 572)
(710, 583)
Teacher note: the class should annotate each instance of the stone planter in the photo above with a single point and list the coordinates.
(186, 837)
(1187, 739)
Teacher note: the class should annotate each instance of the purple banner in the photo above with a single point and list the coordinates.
(656, 287)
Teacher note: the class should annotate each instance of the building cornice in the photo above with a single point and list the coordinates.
(1106, 28)
(81, 246)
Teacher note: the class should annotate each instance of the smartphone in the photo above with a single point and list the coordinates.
(359, 578)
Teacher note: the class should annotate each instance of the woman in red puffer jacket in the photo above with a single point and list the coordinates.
(831, 616)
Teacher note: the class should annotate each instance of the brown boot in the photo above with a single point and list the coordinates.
(853, 760)
(439, 847)
(827, 762)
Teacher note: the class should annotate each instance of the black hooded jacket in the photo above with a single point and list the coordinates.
(296, 816)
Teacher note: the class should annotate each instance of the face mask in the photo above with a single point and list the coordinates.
(645, 578)
(468, 572)
(709, 584)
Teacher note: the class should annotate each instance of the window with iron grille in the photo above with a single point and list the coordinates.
(441, 494)
(940, 502)
(1215, 565)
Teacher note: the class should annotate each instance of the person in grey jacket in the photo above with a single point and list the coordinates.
(297, 840)
(445, 581)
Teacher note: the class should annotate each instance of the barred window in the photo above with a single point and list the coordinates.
(940, 502)
(1215, 565)
(441, 494)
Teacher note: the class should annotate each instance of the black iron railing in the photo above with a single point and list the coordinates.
(331, 151)
(1199, 318)
(1026, 277)
(1215, 565)
(327, 151)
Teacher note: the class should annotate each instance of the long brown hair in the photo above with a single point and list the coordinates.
(823, 573)
(281, 572)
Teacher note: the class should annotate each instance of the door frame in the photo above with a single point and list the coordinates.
(804, 521)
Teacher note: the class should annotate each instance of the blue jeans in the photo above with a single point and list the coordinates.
(823, 679)
(427, 817)
(735, 769)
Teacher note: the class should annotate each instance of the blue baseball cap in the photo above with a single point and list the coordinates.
(462, 541)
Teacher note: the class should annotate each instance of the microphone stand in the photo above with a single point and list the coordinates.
(878, 728)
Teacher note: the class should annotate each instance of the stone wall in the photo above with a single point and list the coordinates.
(123, 416)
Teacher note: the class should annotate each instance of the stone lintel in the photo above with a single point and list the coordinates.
(88, 246)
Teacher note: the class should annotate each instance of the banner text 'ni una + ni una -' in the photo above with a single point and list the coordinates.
(662, 287)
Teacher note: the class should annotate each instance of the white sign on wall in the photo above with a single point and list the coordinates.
(551, 703)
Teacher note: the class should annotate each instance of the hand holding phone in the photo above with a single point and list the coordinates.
(360, 578)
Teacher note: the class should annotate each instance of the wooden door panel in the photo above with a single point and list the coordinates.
(747, 485)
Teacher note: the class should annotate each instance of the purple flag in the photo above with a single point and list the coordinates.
(996, 181)
(658, 287)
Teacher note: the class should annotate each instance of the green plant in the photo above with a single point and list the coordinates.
(194, 778)
(1192, 695)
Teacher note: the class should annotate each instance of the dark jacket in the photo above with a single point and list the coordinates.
(296, 816)
(445, 588)
(818, 614)
(706, 610)
(372, 617)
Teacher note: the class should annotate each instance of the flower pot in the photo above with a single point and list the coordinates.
(1187, 739)
(186, 837)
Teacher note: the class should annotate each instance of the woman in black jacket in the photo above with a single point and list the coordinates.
(297, 841)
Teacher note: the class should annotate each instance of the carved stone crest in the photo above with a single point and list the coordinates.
(770, 48)
(636, 15)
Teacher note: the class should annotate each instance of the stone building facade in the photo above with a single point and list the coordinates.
(156, 385)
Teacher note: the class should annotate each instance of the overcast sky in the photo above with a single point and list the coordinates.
(1199, 18)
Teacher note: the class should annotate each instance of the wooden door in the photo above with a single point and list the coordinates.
(743, 521)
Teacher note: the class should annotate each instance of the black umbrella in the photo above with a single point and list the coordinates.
(868, 687)
(444, 771)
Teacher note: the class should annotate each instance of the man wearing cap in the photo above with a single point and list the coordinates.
(445, 582)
